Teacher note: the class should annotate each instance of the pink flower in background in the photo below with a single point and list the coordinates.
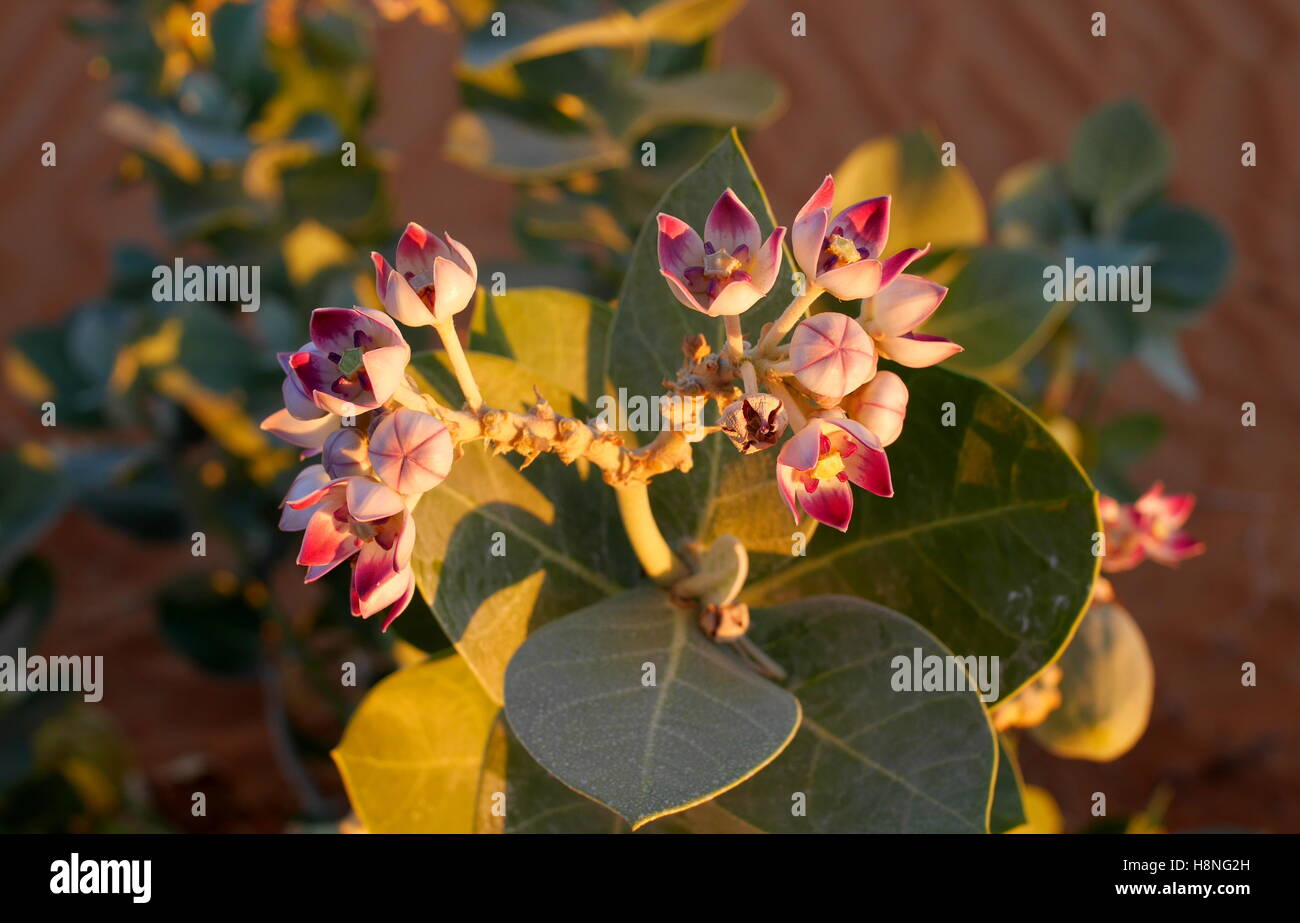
(726, 271)
(351, 516)
(435, 278)
(842, 254)
(880, 405)
(410, 451)
(892, 315)
(355, 361)
(1149, 528)
(831, 355)
(815, 468)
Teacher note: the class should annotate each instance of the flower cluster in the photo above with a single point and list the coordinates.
(1148, 528)
(348, 400)
(825, 381)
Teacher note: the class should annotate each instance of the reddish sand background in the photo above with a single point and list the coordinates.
(1006, 80)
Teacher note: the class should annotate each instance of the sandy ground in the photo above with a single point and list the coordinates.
(1007, 80)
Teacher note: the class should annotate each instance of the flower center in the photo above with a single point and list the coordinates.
(828, 466)
(719, 263)
(350, 362)
(843, 249)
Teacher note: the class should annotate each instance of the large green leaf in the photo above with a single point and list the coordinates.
(996, 309)
(558, 526)
(867, 758)
(516, 795)
(1118, 160)
(413, 750)
(1189, 256)
(628, 702)
(1008, 808)
(987, 541)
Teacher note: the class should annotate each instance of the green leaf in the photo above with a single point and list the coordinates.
(867, 758)
(1107, 687)
(581, 697)
(1031, 205)
(996, 309)
(931, 203)
(537, 802)
(222, 634)
(1008, 804)
(1118, 160)
(26, 603)
(534, 800)
(555, 335)
(1189, 256)
(413, 750)
(742, 98)
(987, 541)
(34, 498)
(511, 149)
(555, 530)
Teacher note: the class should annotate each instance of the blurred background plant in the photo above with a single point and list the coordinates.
(242, 132)
(247, 120)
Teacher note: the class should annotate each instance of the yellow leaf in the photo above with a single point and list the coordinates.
(1041, 811)
(932, 203)
(411, 756)
(311, 247)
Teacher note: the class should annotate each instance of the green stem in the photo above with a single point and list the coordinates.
(789, 317)
(459, 364)
(652, 550)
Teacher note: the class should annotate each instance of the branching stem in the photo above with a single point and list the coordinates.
(789, 317)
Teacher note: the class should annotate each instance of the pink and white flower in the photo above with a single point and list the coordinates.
(1149, 528)
(410, 451)
(308, 435)
(880, 405)
(728, 270)
(355, 361)
(435, 278)
(831, 355)
(816, 467)
(354, 516)
(892, 315)
(843, 254)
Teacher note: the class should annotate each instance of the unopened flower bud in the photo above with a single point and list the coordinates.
(344, 454)
(755, 422)
(726, 622)
(410, 451)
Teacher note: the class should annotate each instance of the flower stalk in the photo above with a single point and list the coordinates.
(459, 364)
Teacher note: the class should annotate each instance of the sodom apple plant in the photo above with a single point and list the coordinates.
(789, 605)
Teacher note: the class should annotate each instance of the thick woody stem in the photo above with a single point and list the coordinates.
(459, 364)
(657, 558)
(789, 317)
(542, 430)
